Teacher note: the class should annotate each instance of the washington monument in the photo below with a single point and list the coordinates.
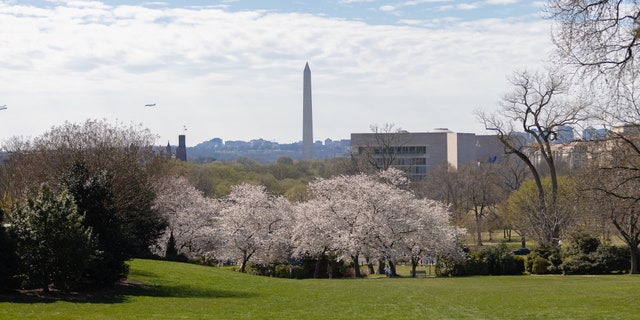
(307, 119)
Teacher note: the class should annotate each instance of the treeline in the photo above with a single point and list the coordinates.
(82, 199)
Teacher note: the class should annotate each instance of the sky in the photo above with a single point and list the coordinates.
(233, 69)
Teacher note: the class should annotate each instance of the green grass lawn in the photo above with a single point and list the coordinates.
(167, 290)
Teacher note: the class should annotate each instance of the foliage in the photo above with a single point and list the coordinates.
(544, 259)
(123, 153)
(522, 206)
(599, 41)
(94, 198)
(191, 217)
(500, 261)
(53, 244)
(493, 260)
(539, 106)
(585, 254)
(370, 215)
(8, 258)
(171, 253)
(253, 225)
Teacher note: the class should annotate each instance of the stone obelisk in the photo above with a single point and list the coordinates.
(307, 119)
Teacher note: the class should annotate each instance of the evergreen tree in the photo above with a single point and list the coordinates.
(53, 245)
(8, 259)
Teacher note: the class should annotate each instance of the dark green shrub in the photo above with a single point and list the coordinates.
(171, 254)
(472, 264)
(540, 265)
(500, 261)
(289, 271)
(613, 258)
(581, 243)
(543, 260)
(604, 260)
(580, 264)
(53, 245)
(8, 259)
(494, 260)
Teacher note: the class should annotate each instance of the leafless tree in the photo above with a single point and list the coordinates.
(379, 151)
(538, 107)
(600, 38)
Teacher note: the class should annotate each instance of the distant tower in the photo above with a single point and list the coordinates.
(168, 151)
(307, 119)
(181, 150)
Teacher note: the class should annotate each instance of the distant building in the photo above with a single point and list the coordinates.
(181, 150)
(416, 153)
(168, 152)
(591, 133)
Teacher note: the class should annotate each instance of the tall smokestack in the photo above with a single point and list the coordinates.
(181, 150)
(307, 118)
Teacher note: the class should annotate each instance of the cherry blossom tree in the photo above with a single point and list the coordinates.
(253, 225)
(314, 231)
(191, 216)
(373, 214)
(431, 231)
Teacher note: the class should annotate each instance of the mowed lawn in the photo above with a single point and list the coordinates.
(168, 290)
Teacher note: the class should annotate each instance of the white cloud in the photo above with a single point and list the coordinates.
(239, 75)
(468, 6)
(501, 2)
(387, 8)
(355, 1)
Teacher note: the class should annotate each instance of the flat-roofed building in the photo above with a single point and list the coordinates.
(417, 152)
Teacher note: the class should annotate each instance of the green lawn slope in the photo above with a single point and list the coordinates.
(169, 290)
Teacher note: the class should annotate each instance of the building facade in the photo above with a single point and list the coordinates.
(417, 152)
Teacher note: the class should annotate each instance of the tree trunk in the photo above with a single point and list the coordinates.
(243, 263)
(478, 228)
(633, 250)
(370, 265)
(356, 267)
(316, 272)
(381, 266)
(414, 264)
(393, 269)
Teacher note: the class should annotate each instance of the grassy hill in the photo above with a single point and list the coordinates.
(168, 290)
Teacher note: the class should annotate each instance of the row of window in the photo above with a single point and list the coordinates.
(395, 150)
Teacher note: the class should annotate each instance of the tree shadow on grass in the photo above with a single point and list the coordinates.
(121, 293)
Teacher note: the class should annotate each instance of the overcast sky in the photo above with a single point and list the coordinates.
(233, 69)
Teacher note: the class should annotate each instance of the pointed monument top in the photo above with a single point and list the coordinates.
(306, 66)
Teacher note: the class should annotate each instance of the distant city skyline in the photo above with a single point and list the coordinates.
(232, 68)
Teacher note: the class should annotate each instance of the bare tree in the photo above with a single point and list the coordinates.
(380, 150)
(613, 183)
(538, 108)
(481, 192)
(600, 38)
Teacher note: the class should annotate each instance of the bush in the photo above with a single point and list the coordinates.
(581, 243)
(544, 259)
(8, 259)
(500, 261)
(289, 271)
(53, 245)
(604, 260)
(540, 265)
(495, 260)
(613, 258)
(579, 264)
